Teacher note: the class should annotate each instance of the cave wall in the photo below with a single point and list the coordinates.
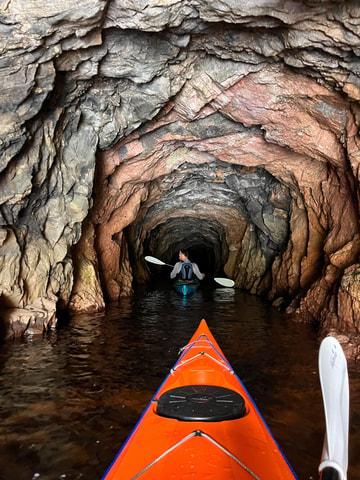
(120, 125)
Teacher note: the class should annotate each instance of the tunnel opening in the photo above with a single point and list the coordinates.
(229, 217)
(204, 239)
(214, 178)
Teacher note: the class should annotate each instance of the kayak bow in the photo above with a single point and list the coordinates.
(201, 424)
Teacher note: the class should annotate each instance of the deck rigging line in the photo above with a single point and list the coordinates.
(196, 433)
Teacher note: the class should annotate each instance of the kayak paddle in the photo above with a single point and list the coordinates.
(334, 382)
(156, 261)
(225, 282)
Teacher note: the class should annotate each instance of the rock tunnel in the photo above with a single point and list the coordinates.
(227, 128)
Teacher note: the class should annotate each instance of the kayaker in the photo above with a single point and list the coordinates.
(185, 268)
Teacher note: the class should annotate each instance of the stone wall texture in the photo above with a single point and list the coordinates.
(130, 128)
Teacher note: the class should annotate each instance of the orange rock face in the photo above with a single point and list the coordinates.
(282, 191)
(124, 133)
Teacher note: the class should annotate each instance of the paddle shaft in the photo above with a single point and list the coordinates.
(329, 474)
(157, 261)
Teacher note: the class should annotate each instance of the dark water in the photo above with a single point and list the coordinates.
(68, 401)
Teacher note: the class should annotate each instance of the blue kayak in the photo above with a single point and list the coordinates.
(186, 287)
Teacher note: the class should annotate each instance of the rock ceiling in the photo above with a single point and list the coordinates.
(131, 128)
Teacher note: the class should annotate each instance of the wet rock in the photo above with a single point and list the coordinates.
(228, 127)
(37, 318)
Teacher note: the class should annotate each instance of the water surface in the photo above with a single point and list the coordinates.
(69, 400)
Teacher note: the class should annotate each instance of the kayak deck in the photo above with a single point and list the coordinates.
(201, 424)
(186, 287)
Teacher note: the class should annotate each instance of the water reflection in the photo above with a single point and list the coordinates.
(68, 401)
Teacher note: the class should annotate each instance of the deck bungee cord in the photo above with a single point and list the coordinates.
(201, 434)
(188, 360)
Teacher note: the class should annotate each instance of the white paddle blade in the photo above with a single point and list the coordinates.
(334, 382)
(225, 282)
(154, 260)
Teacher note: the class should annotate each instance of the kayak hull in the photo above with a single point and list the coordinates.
(186, 288)
(201, 424)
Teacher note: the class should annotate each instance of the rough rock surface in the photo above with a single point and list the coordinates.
(132, 128)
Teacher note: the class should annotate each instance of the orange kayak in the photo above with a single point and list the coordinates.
(201, 424)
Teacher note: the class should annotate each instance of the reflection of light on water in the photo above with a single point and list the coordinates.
(185, 301)
(191, 300)
(68, 401)
(224, 294)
